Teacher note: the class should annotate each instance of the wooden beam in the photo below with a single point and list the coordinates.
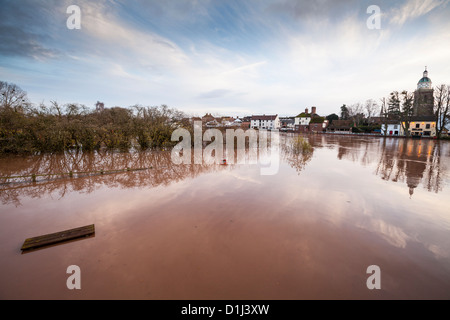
(58, 237)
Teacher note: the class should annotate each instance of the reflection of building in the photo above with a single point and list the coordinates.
(415, 167)
(423, 97)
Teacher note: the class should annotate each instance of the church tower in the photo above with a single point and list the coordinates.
(424, 97)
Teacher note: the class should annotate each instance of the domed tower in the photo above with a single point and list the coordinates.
(425, 82)
(424, 97)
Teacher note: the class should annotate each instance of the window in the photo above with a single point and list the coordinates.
(428, 126)
(417, 125)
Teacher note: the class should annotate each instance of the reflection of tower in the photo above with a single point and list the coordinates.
(416, 164)
(423, 97)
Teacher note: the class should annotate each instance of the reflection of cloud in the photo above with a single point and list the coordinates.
(438, 251)
(392, 234)
(246, 179)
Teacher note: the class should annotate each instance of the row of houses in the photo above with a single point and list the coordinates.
(304, 122)
(311, 122)
(423, 126)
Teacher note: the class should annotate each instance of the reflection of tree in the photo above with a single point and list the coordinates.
(296, 157)
(388, 167)
(349, 148)
(159, 170)
(435, 169)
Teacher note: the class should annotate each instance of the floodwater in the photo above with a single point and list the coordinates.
(169, 231)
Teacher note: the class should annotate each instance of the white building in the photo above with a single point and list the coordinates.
(393, 129)
(303, 120)
(270, 122)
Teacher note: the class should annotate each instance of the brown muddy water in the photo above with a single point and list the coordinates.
(310, 231)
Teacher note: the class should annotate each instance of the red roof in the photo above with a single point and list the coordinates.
(264, 117)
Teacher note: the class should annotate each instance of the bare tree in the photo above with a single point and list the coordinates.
(384, 114)
(372, 109)
(356, 113)
(13, 97)
(442, 107)
(406, 110)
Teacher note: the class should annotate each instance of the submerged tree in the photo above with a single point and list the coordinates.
(59, 127)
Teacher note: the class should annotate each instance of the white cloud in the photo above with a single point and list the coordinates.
(413, 9)
(285, 66)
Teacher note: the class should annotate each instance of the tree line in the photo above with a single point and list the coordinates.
(398, 106)
(31, 129)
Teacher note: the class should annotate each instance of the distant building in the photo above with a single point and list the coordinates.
(310, 122)
(424, 126)
(303, 118)
(375, 121)
(246, 122)
(99, 106)
(392, 128)
(269, 122)
(424, 96)
(208, 118)
(316, 127)
(287, 123)
(340, 126)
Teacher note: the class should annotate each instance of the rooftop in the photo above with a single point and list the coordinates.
(264, 117)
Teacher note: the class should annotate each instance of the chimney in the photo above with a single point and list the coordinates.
(313, 110)
(306, 110)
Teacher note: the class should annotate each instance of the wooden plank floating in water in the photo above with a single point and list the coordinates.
(58, 237)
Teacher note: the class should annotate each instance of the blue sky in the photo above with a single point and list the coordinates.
(227, 57)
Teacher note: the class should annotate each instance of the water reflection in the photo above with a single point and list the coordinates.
(232, 233)
(398, 160)
(158, 170)
(297, 158)
(409, 161)
(412, 162)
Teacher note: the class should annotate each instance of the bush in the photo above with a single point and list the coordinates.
(73, 127)
(300, 145)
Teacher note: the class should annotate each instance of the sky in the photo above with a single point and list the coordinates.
(225, 57)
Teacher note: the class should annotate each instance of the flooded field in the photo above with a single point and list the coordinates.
(169, 231)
